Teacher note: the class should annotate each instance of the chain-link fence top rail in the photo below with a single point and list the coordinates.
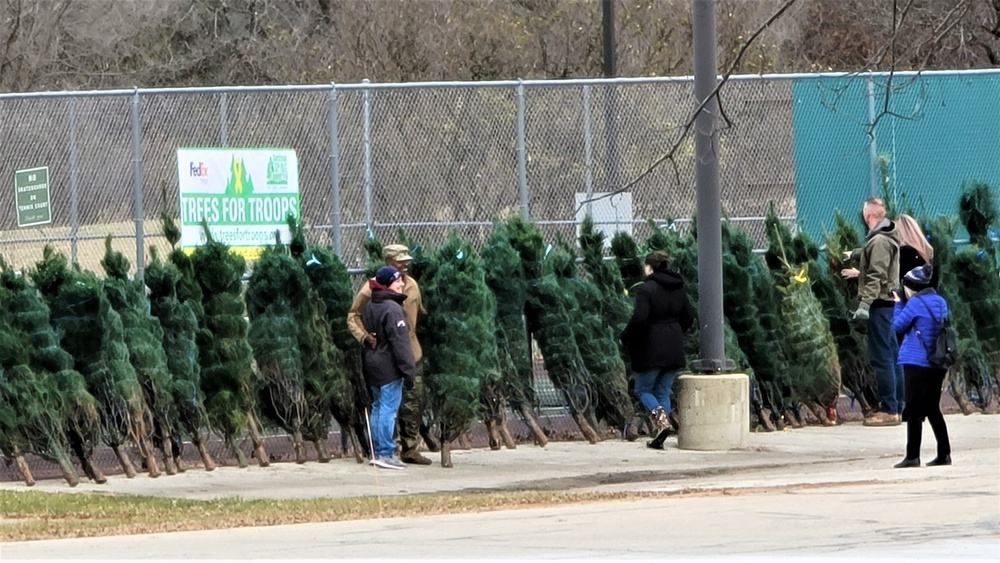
(433, 157)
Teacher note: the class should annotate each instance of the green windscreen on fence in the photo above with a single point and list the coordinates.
(936, 132)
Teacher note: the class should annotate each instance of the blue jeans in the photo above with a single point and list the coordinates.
(883, 350)
(652, 388)
(385, 404)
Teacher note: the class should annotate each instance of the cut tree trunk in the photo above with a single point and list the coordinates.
(89, 469)
(508, 440)
(241, 458)
(22, 465)
(124, 460)
(170, 466)
(139, 430)
(68, 471)
(536, 430)
(493, 431)
(764, 416)
(322, 455)
(299, 447)
(586, 429)
(258, 442)
(958, 391)
(446, 454)
(206, 458)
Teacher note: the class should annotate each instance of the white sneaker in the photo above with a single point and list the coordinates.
(387, 462)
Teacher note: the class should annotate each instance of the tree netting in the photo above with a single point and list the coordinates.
(31, 406)
(275, 295)
(179, 327)
(553, 315)
(505, 276)
(331, 355)
(145, 350)
(92, 333)
(329, 371)
(25, 311)
(227, 377)
(978, 286)
(813, 364)
(605, 311)
(459, 338)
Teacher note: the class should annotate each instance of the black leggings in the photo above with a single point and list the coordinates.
(923, 400)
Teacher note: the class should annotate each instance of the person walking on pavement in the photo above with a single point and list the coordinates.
(411, 410)
(388, 363)
(878, 274)
(654, 339)
(918, 315)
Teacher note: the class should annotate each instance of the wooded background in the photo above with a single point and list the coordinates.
(93, 44)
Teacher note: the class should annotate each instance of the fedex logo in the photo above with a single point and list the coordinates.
(198, 170)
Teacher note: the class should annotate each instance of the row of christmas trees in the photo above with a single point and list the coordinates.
(162, 360)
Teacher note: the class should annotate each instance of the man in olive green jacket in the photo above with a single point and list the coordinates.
(410, 418)
(878, 275)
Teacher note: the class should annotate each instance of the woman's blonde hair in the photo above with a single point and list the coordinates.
(910, 234)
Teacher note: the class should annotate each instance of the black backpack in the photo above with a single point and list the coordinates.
(944, 352)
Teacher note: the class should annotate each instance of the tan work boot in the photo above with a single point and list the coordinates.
(414, 457)
(882, 419)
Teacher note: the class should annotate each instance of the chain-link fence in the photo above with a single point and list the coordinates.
(429, 158)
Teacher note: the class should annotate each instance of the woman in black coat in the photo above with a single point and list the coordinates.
(654, 336)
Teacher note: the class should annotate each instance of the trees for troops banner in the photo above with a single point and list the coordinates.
(244, 195)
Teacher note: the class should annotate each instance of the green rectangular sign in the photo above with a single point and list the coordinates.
(31, 189)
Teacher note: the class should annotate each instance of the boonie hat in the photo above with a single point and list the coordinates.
(397, 252)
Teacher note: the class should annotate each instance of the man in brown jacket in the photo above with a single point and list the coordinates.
(411, 410)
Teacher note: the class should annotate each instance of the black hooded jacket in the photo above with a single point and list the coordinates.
(654, 336)
(392, 357)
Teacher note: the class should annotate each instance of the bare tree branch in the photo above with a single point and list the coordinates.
(671, 153)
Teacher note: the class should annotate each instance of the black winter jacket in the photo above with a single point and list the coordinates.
(654, 336)
(392, 357)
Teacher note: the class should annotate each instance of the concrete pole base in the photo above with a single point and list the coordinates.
(713, 411)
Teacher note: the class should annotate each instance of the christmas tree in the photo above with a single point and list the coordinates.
(765, 356)
(506, 279)
(628, 258)
(971, 371)
(31, 413)
(180, 328)
(92, 333)
(27, 312)
(813, 362)
(227, 378)
(600, 327)
(145, 349)
(975, 268)
(552, 315)
(330, 299)
(459, 337)
(324, 372)
(277, 291)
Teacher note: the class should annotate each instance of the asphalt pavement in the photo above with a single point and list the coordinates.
(827, 492)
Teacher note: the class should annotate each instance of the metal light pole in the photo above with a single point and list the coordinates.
(706, 176)
(610, 68)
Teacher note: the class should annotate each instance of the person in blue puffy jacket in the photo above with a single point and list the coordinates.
(918, 316)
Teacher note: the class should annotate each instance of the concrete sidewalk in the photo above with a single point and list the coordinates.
(804, 492)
